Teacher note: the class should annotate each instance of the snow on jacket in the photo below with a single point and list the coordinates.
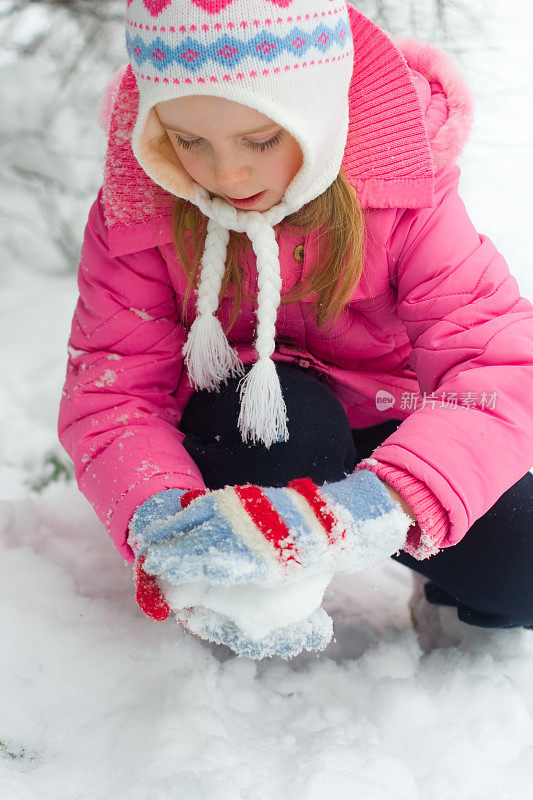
(436, 334)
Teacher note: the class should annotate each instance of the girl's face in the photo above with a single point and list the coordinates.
(232, 150)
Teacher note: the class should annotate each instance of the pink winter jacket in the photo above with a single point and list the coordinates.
(436, 334)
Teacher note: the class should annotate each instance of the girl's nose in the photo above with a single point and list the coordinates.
(230, 173)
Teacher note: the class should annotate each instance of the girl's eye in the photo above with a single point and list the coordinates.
(264, 145)
(188, 143)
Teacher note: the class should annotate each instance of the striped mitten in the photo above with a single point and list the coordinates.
(158, 599)
(312, 633)
(148, 594)
(250, 534)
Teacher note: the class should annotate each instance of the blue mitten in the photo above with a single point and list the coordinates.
(255, 621)
(163, 505)
(148, 594)
(249, 534)
(312, 633)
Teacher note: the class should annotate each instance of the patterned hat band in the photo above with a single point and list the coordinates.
(190, 60)
(291, 60)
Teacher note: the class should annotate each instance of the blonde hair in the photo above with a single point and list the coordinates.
(336, 273)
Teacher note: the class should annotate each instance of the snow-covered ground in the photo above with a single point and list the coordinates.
(98, 702)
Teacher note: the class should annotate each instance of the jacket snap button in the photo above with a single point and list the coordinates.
(299, 253)
(303, 363)
(191, 220)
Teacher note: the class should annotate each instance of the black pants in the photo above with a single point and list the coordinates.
(488, 575)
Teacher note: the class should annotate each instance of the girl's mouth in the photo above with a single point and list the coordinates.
(247, 201)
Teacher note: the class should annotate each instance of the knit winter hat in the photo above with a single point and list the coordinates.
(291, 60)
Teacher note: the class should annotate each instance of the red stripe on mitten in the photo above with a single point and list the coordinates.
(148, 595)
(268, 521)
(191, 495)
(309, 491)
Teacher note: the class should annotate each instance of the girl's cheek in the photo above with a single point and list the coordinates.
(194, 167)
(281, 169)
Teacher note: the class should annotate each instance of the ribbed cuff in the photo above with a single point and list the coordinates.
(424, 538)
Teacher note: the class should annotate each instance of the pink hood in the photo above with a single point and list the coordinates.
(436, 316)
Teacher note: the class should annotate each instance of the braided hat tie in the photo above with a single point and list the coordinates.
(208, 354)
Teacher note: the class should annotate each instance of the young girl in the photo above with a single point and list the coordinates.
(292, 353)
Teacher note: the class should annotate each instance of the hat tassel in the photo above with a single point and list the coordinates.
(208, 355)
(263, 414)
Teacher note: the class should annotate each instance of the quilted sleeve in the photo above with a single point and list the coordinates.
(471, 438)
(118, 415)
